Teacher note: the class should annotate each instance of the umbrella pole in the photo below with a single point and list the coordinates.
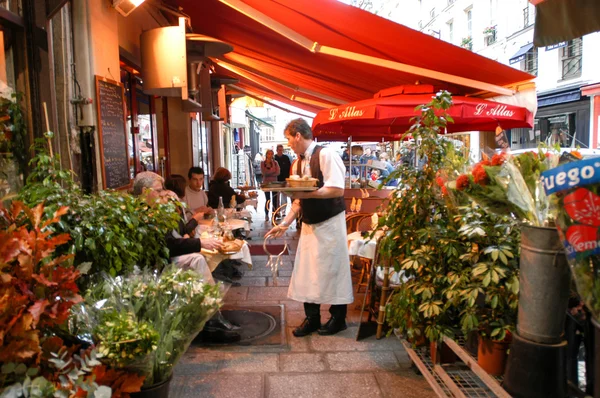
(350, 161)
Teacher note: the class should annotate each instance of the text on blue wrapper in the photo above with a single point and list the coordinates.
(570, 175)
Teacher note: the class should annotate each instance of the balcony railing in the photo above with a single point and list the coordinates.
(526, 19)
(571, 59)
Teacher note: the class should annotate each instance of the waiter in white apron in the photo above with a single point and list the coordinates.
(321, 271)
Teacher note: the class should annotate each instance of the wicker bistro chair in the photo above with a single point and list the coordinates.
(381, 290)
(363, 225)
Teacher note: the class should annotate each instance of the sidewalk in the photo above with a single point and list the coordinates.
(312, 366)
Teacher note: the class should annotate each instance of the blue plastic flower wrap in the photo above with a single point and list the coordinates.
(575, 190)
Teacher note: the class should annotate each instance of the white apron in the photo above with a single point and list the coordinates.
(322, 271)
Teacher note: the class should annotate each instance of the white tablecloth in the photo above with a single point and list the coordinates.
(365, 248)
(362, 247)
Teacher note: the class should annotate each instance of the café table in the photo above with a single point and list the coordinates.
(214, 257)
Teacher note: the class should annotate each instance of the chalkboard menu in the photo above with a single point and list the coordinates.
(112, 129)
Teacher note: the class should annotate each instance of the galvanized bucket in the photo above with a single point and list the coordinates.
(544, 285)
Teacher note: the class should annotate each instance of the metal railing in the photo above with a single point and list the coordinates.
(571, 59)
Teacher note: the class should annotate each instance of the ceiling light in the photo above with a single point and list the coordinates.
(125, 7)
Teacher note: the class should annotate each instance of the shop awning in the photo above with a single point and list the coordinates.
(520, 55)
(321, 53)
(563, 20)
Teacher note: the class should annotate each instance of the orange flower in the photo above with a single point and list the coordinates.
(577, 154)
(462, 182)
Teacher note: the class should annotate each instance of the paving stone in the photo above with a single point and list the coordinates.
(260, 271)
(237, 293)
(403, 359)
(291, 305)
(267, 293)
(297, 344)
(362, 361)
(279, 282)
(200, 361)
(404, 384)
(299, 362)
(217, 386)
(346, 341)
(249, 363)
(252, 281)
(323, 385)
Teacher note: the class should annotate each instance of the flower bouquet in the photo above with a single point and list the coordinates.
(508, 184)
(576, 186)
(145, 322)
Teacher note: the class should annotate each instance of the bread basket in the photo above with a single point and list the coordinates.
(294, 183)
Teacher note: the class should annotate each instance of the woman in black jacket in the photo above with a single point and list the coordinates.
(219, 187)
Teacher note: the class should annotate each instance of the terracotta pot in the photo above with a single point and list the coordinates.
(441, 353)
(491, 355)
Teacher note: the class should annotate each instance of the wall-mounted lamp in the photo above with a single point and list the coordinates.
(125, 7)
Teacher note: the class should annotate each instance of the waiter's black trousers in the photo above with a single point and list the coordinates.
(338, 311)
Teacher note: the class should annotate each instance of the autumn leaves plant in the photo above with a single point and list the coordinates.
(37, 290)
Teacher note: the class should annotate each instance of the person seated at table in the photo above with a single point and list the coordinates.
(185, 252)
(177, 184)
(194, 195)
(219, 187)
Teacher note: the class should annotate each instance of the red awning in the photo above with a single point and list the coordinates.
(390, 114)
(330, 79)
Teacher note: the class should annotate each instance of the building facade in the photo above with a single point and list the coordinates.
(567, 75)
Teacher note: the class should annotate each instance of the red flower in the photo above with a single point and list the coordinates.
(499, 159)
(440, 181)
(462, 182)
(444, 190)
(479, 175)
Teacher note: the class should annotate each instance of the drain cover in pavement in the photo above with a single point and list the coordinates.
(259, 325)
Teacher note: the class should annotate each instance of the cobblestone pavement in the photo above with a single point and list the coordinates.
(312, 366)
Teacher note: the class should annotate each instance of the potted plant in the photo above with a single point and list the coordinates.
(119, 229)
(489, 298)
(510, 185)
(467, 42)
(489, 31)
(37, 290)
(145, 321)
(415, 221)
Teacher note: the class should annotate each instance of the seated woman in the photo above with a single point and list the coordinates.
(219, 187)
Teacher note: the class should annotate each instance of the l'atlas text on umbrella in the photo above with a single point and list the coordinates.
(350, 111)
(498, 110)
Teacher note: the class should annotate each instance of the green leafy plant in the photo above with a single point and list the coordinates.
(175, 303)
(114, 231)
(123, 339)
(416, 220)
(489, 295)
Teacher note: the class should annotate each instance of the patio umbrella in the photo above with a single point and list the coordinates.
(389, 115)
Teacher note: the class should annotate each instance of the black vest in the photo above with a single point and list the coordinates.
(315, 211)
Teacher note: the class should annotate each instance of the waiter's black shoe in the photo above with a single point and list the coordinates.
(333, 326)
(308, 326)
